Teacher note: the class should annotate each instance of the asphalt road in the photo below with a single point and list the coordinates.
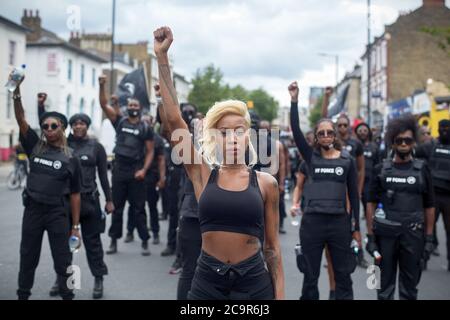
(133, 276)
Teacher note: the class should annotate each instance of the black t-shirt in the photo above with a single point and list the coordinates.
(32, 139)
(354, 147)
(302, 168)
(157, 152)
(376, 189)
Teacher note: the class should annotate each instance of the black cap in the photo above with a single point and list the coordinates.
(53, 114)
(80, 116)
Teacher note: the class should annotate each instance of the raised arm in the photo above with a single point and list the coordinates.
(107, 109)
(302, 145)
(19, 112)
(326, 101)
(197, 170)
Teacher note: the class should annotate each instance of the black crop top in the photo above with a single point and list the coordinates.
(233, 211)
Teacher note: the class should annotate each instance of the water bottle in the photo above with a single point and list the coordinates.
(74, 243)
(16, 76)
(295, 219)
(379, 213)
(355, 247)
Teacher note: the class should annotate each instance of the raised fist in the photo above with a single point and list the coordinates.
(163, 38)
(293, 91)
(157, 90)
(102, 80)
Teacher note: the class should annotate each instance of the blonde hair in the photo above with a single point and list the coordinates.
(208, 144)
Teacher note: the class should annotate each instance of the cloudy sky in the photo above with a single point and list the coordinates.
(257, 43)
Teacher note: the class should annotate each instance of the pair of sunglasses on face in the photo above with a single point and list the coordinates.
(329, 133)
(47, 126)
(407, 140)
(344, 125)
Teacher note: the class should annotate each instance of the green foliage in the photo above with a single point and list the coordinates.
(208, 88)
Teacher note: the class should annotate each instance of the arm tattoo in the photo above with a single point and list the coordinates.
(272, 261)
(164, 72)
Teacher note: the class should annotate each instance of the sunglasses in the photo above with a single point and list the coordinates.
(52, 126)
(407, 140)
(342, 125)
(329, 133)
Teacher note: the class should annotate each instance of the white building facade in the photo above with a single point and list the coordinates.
(13, 43)
(69, 76)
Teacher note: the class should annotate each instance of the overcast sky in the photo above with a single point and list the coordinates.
(257, 43)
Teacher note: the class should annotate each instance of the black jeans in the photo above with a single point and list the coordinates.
(247, 280)
(126, 187)
(189, 246)
(318, 229)
(404, 252)
(54, 219)
(173, 187)
(443, 208)
(92, 226)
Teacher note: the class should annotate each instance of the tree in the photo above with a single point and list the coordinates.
(316, 112)
(207, 88)
(264, 104)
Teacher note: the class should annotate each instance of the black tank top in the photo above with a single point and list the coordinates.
(232, 211)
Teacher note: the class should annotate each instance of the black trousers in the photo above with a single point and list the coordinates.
(173, 188)
(126, 187)
(403, 252)
(247, 280)
(92, 226)
(55, 220)
(443, 208)
(316, 230)
(282, 209)
(189, 246)
(152, 196)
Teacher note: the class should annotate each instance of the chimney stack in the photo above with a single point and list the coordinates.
(75, 39)
(433, 3)
(33, 23)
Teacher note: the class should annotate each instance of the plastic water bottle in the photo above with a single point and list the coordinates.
(74, 243)
(379, 213)
(295, 220)
(16, 76)
(355, 247)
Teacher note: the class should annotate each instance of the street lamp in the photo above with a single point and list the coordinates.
(336, 59)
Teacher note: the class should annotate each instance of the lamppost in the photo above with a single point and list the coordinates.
(111, 82)
(336, 60)
(368, 65)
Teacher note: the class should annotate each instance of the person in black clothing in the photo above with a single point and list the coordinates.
(238, 207)
(92, 157)
(133, 157)
(331, 175)
(42, 97)
(371, 158)
(155, 182)
(403, 235)
(437, 153)
(52, 191)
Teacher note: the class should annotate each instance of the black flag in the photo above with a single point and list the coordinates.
(133, 85)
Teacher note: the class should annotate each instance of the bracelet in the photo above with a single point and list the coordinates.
(16, 97)
(76, 227)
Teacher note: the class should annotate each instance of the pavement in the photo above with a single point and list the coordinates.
(133, 276)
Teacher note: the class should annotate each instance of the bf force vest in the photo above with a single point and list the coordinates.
(402, 196)
(49, 178)
(351, 146)
(85, 151)
(440, 166)
(130, 140)
(326, 185)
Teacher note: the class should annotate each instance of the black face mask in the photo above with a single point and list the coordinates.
(134, 113)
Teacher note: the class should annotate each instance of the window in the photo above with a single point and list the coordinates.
(12, 53)
(8, 104)
(68, 105)
(69, 70)
(93, 77)
(82, 74)
(82, 105)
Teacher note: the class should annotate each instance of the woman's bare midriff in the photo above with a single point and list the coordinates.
(230, 247)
